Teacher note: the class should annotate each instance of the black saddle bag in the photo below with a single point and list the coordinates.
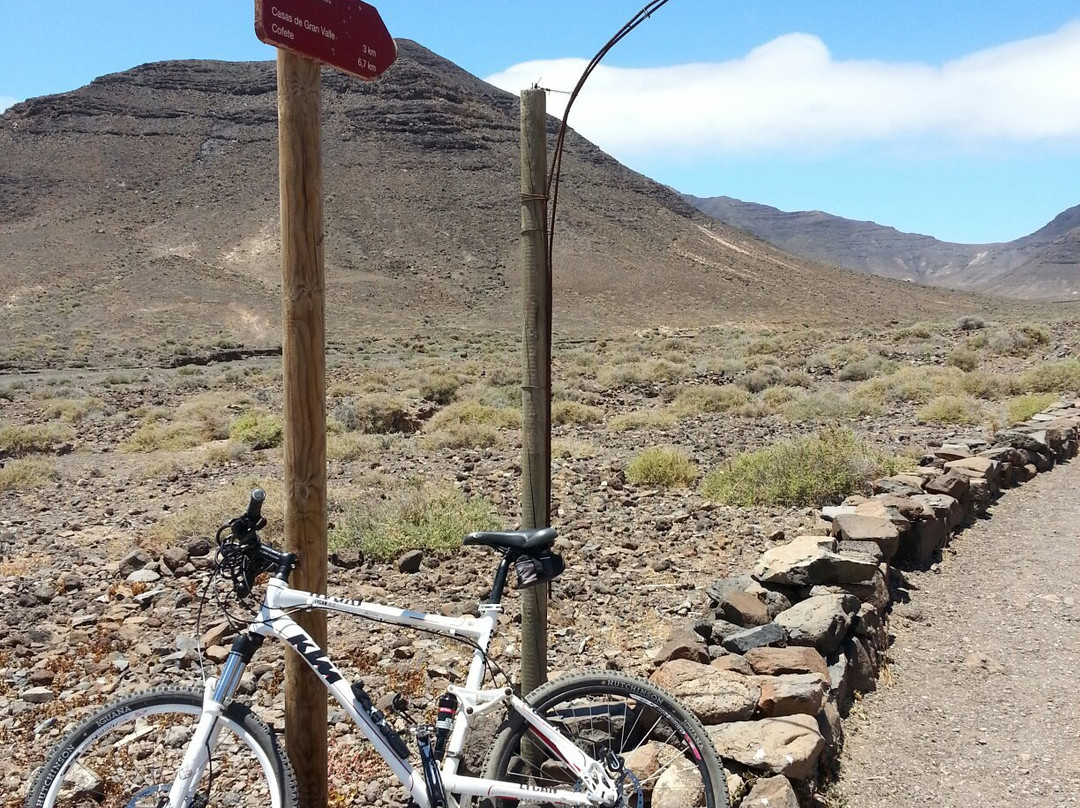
(538, 569)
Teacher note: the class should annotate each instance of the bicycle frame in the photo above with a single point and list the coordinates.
(274, 621)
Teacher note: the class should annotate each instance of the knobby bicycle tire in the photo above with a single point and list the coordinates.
(668, 759)
(101, 763)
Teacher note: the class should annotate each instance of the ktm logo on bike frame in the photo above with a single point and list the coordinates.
(316, 658)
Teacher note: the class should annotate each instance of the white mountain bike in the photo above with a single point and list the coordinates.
(590, 739)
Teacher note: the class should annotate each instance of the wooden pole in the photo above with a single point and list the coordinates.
(304, 352)
(536, 373)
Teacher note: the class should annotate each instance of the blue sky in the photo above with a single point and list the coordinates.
(961, 121)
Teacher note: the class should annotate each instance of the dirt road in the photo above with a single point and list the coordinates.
(983, 706)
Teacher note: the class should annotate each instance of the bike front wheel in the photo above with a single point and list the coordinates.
(126, 756)
(665, 759)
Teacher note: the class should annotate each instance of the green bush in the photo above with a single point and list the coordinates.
(439, 389)
(970, 322)
(866, 368)
(825, 405)
(257, 429)
(642, 419)
(963, 358)
(222, 453)
(465, 413)
(763, 378)
(805, 471)
(574, 412)
(710, 398)
(989, 386)
(662, 467)
(461, 436)
(351, 446)
(952, 410)
(776, 397)
(1012, 340)
(25, 474)
(916, 331)
(376, 414)
(72, 410)
(1023, 408)
(1053, 377)
(651, 371)
(418, 518)
(164, 437)
(198, 421)
(913, 384)
(17, 440)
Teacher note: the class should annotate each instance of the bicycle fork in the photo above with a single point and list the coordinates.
(216, 695)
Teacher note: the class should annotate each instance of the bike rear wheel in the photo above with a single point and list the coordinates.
(667, 760)
(126, 756)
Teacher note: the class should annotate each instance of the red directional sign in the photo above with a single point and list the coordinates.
(345, 34)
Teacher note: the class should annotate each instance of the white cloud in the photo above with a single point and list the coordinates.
(791, 94)
(6, 101)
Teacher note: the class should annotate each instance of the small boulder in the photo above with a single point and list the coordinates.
(714, 696)
(683, 644)
(793, 659)
(946, 508)
(811, 560)
(135, 559)
(792, 694)
(789, 746)
(771, 792)
(409, 563)
(881, 530)
(951, 484)
(174, 558)
(679, 786)
(37, 695)
(143, 576)
(743, 609)
(742, 641)
(820, 621)
(980, 468)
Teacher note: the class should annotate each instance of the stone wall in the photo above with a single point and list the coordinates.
(773, 667)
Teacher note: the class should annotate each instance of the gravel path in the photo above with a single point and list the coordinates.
(983, 706)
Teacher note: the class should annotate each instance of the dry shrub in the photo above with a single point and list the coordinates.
(575, 413)
(805, 471)
(643, 419)
(953, 410)
(710, 398)
(25, 474)
(662, 467)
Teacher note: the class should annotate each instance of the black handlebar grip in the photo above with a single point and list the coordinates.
(254, 511)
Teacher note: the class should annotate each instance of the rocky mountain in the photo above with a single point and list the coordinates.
(143, 208)
(1042, 266)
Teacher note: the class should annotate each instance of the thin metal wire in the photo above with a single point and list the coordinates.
(556, 163)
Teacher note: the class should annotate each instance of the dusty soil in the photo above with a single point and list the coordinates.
(75, 632)
(982, 709)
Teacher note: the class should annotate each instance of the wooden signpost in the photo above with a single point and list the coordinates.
(350, 36)
(345, 34)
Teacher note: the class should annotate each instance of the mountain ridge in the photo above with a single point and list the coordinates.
(1044, 265)
(143, 208)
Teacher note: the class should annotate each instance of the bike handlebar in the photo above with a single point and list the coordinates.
(249, 556)
(254, 509)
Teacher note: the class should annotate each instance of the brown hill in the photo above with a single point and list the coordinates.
(142, 209)
(1042, 266)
